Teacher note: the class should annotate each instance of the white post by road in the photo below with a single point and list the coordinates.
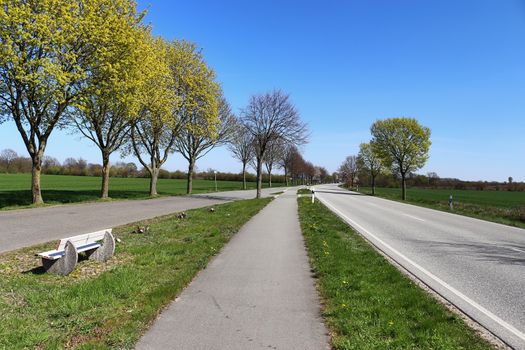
(313, 196)
(215, 172)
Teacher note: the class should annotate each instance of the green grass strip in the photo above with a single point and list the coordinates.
(368, 303)
(102, 306)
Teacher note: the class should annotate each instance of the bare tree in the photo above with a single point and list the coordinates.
(194, 144)
(272, 156)
(7, 157)
(348, 170)
(433, 177)
(242, 148)
(268, 118)
(286, 160)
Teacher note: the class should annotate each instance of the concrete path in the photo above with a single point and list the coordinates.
(477, 265)
(256, 294)
(26, 227)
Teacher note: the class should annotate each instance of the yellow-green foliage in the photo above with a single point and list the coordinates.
(401, 143)
(196, 87)
(54, 46)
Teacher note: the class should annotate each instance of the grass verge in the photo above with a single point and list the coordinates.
(503, 207)
(368, 303)
(102, 306)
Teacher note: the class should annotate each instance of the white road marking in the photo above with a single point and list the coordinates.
(517, 250)
(436, 279)
(413, 217)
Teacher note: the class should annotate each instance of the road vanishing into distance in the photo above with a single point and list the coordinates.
(25, 227)
(477, 265)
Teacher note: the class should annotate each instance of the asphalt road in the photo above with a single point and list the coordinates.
(26, 227)
(477, 265)
(258, 293)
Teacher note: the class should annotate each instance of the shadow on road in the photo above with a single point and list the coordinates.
(506, 254)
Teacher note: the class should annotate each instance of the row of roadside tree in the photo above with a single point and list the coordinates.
(95, 67)
(399, 146)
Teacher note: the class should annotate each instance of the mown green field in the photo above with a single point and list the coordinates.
(498, 206)
(15, 189)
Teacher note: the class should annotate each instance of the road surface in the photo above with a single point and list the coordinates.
(477, 265)
(258, 293)
(26, 227)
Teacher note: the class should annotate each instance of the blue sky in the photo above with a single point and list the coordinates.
(456, 66)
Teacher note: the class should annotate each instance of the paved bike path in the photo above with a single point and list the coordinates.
(26, 227)
(258, 293)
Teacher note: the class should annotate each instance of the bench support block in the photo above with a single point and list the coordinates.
(65, 265)
(104, 252)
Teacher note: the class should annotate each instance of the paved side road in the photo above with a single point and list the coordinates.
(256, 294)
(26, 227)
(477, 265)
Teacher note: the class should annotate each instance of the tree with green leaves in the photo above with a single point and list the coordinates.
(48, 50)
(370, 162)
(196, 140)
(106, 112)
(155, 127)
(402, 144)
(180, 96)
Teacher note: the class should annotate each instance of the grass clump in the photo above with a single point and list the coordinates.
(368, 303)
(103, 306)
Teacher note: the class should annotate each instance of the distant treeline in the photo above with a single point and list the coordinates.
(11, 162)
(432, 180)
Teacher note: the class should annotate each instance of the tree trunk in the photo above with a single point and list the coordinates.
(373, 185)
(189, 187)
(269, 179)
(403, 187)
(153, 181)
(35, 177)
(259, 178)
(104, 191)
(285, 177)
(244, 176)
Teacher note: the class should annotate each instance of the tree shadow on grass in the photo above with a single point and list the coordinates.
(23, 197)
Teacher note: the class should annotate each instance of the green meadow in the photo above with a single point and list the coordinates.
(499, 206)
(15, 189)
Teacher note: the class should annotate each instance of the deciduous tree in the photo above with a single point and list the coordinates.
(105, 113)
(268, 118)
(47, 49)
(349, 170)
(370, 162)
(153, 132)
(402, 144)
(241, 147)
(6, 159)
(274, 152)
(201, 135)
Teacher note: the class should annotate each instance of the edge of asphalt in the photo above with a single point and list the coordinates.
(383, 248)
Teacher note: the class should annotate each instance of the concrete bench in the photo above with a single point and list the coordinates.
(98, 246)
